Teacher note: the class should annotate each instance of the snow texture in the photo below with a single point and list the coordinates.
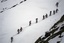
(13, 18)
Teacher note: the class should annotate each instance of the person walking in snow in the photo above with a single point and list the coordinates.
(43, 17)
(36, 20)
(50, 13)
(57, 4)
(46, 15)
(11, 39)
(56, 10)
(18, 31)
(53, 11)
(29, 23)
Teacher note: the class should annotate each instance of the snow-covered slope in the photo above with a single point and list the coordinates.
(33, 32)
(19, 16)
(55, 32)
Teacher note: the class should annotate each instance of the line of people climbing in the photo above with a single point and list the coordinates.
(36, 20)
(45, 16)
(18, 31)
(11, 7)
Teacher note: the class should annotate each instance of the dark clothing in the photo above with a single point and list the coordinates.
(29, 23)
(53, 11)
(56, 10)
(18, 31)
(57, 4)
(36, 20)
(11, 39)
(43, 17)
(50, 13)
(46, 15)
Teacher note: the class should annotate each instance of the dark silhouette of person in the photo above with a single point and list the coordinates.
(50, 13)
(43, 17)
(57, 10)
(46, 15)
(29, 23)
(53, 11)
(18, 31)
(57, 4)
(47, 34)
(36, 20)
(11, 39)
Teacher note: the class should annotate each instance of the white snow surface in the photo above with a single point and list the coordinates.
(19, 16)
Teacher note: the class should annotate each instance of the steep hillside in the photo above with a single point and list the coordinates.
(43, 14)
(56, 32)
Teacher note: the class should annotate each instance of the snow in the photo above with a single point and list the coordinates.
(57, 37)
(32, 33)
(19, 16)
